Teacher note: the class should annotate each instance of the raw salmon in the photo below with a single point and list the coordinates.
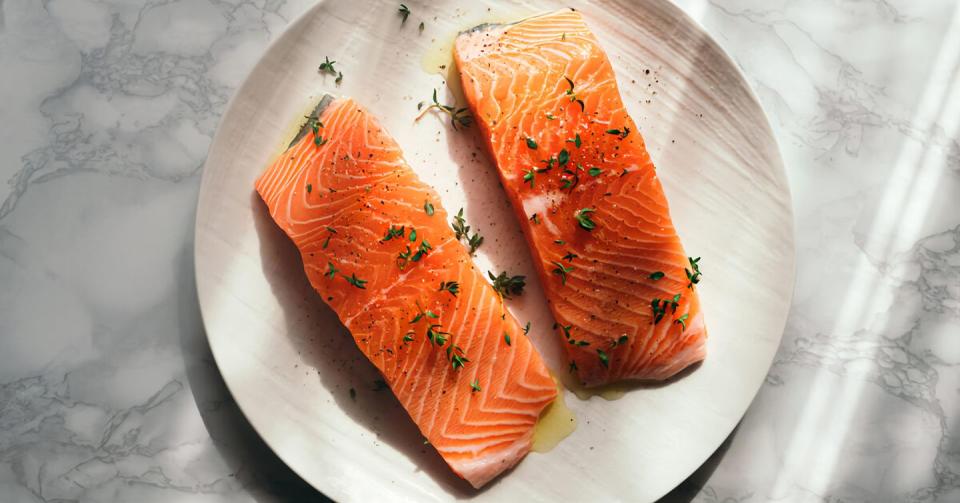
(576, 170)
(376, 245)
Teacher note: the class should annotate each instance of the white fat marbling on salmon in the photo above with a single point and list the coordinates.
(540, 204)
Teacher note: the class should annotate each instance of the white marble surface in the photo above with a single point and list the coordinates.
(107, 388)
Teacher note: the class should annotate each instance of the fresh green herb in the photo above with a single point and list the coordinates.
(616, 342)
(693, 277)
(531, 143)
(451, 286)
(570, 256)
(526, 329)
(457, 115)
(353, 280)
(436, 336)
(309, 188)
(595, 171)
(565, 329)
(562, 271)
(603, 358)
(423, 313)
(573, 95)
(574, 342)
(535, 219)
(623, 173)
(506, 338)
(528, 176)
(331, 270)
(458, 361)
(331, 231)
(549, 164)
(621, 133)
(475, 385)
(339, 78)
(428, 208)
(563, 157)
(583, 218)
(413, 235)
(392, 232)
(550, 116)
(656, 276)
(682, 321)
(403, 258)
(658, 311)
(315, 124)
(507, 286)
(559, 242)
(422, 251)
(659, 307)
(475, 241)
(456, 356)
(462, 230)
(575, 140)
(674, 302)
(404, 13)
(573, 367)
(459, 225)
(327, 66)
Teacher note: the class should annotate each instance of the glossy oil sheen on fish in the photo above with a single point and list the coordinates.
(577, 172)
(377, 246)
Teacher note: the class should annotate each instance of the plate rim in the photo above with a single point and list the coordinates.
(669, 6)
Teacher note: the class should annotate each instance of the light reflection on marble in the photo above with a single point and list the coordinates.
(107, 388)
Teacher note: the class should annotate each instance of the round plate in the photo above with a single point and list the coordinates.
(295, 371)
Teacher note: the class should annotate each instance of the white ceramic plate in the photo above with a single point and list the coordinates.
(290, 364)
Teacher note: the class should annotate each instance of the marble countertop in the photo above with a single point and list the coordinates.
(108, 391)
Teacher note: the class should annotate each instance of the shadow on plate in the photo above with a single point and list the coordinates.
(617, 390)
(328, 350)
(690, 488)
(252, 463)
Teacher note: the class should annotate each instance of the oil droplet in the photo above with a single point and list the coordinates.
(438, 58)
(612, 391)
(556, 423)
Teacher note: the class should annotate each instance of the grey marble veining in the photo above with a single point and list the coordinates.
(107, 388)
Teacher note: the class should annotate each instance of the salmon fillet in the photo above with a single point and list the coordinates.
(579, 177)
(377, 247)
